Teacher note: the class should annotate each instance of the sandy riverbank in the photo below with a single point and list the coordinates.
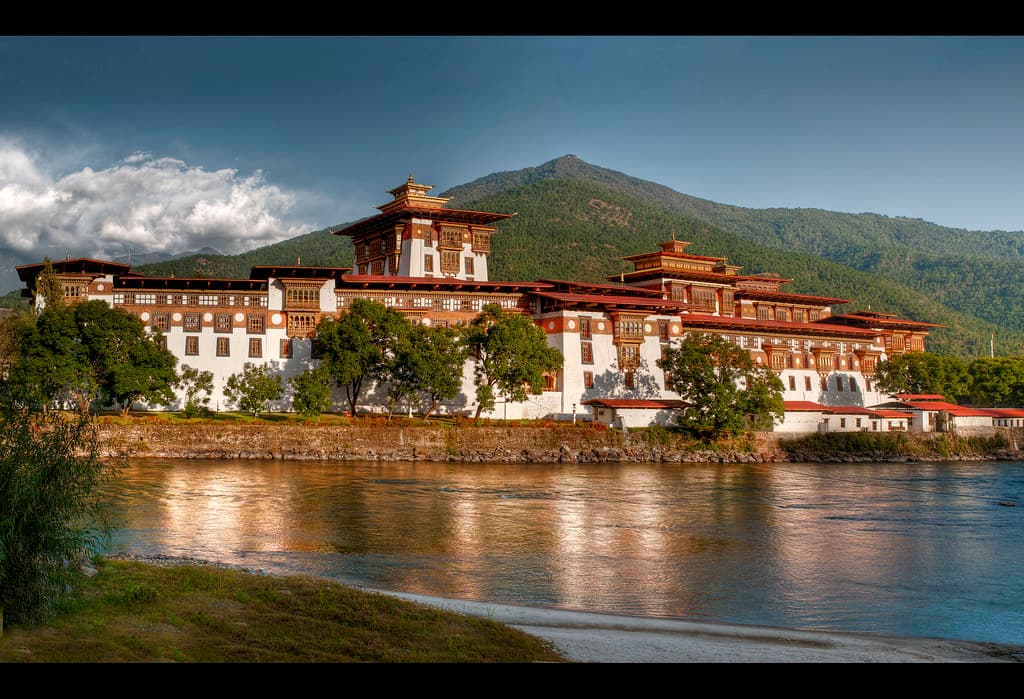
(607, 638)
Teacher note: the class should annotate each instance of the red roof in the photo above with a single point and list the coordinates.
(877, 322)
(387, 280)
(803, 406)
(806, 406)
(772, 325)
(920, 397)
(382, 220)
(1004, 412)
(759, 294)
(620, 403)
(891, 413)
(581, 287)
(951, 408)
(609, 300)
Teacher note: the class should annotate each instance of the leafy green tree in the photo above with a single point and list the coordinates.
(311, 392)
(51, 511)
(997, 382)
(924, 372)
(429, 363)
(52, 366)
(725, 391)
(83, 351)
(510, 354)
(198, 386)
(251, 389)
(357, 349)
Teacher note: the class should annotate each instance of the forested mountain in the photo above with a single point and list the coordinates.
(575, 221)
(321, 248)
(976, 272)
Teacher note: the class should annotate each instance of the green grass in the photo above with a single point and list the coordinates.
(135, 612)
(876, 444)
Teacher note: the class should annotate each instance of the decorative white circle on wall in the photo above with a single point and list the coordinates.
(647, 327)
(810, 362)
(426, 321)
(239, 317)
(855, 364)
(675, 329)
(207, 317)
(571, 324)
(177, 317)
(551, 325)
(757, 359)
(600, 326)
(144, 316)
(796, 362)
(99, 287)
(276, 319)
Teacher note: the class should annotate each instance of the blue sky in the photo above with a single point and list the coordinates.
(174, 143)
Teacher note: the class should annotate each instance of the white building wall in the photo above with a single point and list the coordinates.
(980, 425)
(799, 423)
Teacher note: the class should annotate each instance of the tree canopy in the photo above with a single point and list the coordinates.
(997, 382)
(197, 385)
(725, 391)
(311, 392)
(357, 349)
(510, 354)
(924, 372)
(253, 387)
(429, 364)
(88, 350)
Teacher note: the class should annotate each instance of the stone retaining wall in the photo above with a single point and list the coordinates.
(513, 444)
(418, 443)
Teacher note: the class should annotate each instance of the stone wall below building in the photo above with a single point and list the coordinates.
(512, 444)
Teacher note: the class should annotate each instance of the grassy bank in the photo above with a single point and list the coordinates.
(136, 612)
(887, 445)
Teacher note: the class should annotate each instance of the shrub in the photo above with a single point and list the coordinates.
(51, 516)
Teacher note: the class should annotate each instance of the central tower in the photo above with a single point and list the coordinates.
(416, 236)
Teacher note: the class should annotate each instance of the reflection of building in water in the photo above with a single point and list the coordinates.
(250, 509)
(430, 263)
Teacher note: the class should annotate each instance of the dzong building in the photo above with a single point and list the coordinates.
(430, 263)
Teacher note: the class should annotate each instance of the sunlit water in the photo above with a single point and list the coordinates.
(913, 549)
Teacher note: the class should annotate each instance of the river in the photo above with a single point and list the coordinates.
(911, 549)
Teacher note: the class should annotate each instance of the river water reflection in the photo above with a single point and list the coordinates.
(915, 549)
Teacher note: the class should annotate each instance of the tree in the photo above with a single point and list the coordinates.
(51, 512)
(997, 382)
(725, 391)
(357, 349)
(923, 372)
(251, 389)
(51, 365)
(311, 392)
(429, 363)
(83, 351)
(510, 354)
(198, 386)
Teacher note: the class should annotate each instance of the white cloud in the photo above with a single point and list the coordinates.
(141, 203)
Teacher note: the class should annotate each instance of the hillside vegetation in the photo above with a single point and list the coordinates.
(570, 228)
(973, 272)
